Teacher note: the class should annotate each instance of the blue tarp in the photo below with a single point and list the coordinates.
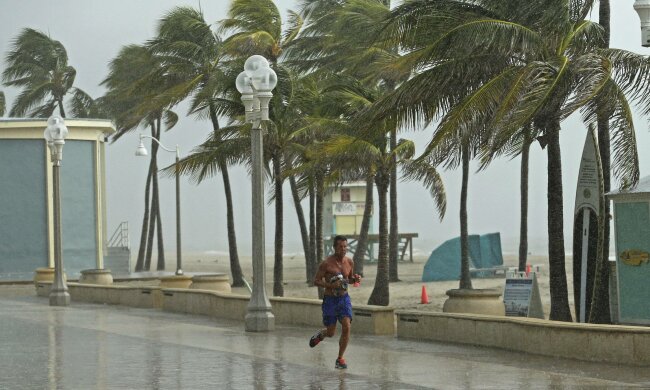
(444, 262)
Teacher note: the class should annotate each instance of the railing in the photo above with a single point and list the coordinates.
(120, 237)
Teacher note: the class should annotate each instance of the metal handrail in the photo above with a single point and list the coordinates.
(120, 237)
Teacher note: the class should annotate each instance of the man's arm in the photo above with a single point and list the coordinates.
(352, 277)
(320, 276)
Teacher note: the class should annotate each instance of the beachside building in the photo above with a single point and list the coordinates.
(26, 209)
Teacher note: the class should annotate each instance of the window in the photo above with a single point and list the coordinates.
(345, 194)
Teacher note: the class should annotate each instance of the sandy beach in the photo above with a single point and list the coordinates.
(404, 294)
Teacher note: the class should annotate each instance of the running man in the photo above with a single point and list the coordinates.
(334, 274)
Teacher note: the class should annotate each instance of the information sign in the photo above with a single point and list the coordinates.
(521, 297)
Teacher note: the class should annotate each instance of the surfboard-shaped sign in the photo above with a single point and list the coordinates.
(587, 226)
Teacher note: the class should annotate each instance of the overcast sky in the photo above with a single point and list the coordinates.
(93, 33)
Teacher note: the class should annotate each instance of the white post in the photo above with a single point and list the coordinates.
(255, 84)
(55, 134)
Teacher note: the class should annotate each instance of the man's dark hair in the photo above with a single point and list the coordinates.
(337, 239)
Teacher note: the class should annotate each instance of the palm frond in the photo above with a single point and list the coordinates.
(423, 171)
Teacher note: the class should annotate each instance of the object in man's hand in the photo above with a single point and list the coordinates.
(344, 283)
(357, 280)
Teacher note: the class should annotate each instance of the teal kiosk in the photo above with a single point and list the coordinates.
(632, 235)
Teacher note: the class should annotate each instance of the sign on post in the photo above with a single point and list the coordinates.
(521, 297)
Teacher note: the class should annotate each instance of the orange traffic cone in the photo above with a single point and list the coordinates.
(425, 298)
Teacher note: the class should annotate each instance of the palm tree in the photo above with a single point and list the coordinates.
(134, 98)
(542, 62)
(370, 152)
(256, 28)
(340, 37)
(191, 51)
(518, 144)
(38, 65)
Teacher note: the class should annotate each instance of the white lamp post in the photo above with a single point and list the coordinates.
(255, 84)
(642, 7)
(55, 134)
(142, 151)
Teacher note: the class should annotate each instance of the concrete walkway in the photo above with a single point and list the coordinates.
(86, 346)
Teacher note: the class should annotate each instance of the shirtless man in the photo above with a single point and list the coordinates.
(334, 274)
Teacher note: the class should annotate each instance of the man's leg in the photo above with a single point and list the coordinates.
(345, 335)
(329, 331)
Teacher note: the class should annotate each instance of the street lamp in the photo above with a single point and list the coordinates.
(642, 7)
(142, 151)
(255, 84)
(54, 135)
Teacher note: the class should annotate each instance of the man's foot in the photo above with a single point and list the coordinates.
(315, 339)
(340, 363)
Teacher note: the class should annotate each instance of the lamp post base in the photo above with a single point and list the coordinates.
(59, 298)
(260, 321)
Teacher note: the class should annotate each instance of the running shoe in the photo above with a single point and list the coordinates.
(340, 363)
(315, 339)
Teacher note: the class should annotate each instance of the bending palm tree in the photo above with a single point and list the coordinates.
(256, 28)
(135, 98)
(38, 65)
(191, 51)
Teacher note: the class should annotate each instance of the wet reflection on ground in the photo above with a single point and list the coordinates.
(102, 347)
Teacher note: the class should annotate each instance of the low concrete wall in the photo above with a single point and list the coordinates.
(376, 320)
(142, 297)
(205, 302)
(287, 311)
(629, 345)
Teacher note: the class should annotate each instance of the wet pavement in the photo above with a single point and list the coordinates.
(87, 346)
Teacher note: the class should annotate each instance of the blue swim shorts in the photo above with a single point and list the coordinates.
(335, 308)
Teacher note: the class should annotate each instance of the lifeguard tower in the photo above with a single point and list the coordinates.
(342, 215)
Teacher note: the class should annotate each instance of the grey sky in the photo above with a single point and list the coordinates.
(94, 31)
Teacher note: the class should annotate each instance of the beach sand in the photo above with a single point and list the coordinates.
(404, 294)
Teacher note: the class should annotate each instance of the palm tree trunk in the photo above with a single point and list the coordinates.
(278, 288)
(139, 265)
(156, 192)
(394, 230)
(380, 293)
(556, 258)
(362, 243)
(304, 233)
(235, 268)
(523, 216)
(313, 260)
(600, 298)
(61, 110)
(152, 230)
(320, 194)
(465, 279)
(154, 199)
(160, 265)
